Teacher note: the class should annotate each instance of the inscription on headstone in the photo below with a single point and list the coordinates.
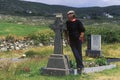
(95, 42)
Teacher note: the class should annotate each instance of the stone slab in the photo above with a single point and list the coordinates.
(55, 71)
(98, 69)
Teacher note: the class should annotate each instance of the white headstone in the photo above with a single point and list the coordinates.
(96, 42)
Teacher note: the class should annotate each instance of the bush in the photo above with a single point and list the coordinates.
(73, 64)
(109, 33)
(43, 36)
(111, 37)
(31, 53)
(101, 61)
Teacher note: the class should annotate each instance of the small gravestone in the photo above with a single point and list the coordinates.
(94, 46)
(58, 64)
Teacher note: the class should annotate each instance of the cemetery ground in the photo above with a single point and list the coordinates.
(30, 69)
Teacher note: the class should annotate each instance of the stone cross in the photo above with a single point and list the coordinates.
(58, 63)
(58, 29)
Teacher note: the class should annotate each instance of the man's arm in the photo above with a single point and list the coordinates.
(82, 31)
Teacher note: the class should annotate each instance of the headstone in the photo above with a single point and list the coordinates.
(58, 64)
(95, 42)
(94, 46)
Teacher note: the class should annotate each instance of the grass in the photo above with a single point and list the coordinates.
(108, 50)
(41, 51)
(112, 74)
(111, 50)
(19, 29)
(30, 69)
(17, 71)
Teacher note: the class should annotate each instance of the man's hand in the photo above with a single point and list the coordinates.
(81, 36)
(82, 39)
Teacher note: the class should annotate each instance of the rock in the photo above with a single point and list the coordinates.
(23, 56)
(41, 44)
(17, 48)
(3, 49)
(12, 47)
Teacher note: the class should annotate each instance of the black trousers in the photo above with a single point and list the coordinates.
(76, 46)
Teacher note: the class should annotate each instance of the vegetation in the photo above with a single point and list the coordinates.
(38, 56)
(41, 52)
(44, 37)
(101, 61)
(17, 7)
(110, 32)
(18, 29)
(30, 69)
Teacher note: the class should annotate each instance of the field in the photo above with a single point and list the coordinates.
(30, 69)
(18, 29)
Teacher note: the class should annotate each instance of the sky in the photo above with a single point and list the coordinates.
(80, 3)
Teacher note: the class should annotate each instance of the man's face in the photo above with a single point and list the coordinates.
(70, 16)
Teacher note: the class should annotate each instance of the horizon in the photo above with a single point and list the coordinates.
(79, 4)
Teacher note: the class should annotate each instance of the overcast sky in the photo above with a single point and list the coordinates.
(80, 3)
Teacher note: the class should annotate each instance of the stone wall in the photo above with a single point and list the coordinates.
(21, 44)
(15, 45)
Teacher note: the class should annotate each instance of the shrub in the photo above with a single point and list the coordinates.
(31, 53)
(73, 64)
(109, 33)
(101, 61)
(43, 36)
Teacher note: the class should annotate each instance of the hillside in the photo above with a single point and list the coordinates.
(23, 8)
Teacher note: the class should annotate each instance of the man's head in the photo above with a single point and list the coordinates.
(71, 14)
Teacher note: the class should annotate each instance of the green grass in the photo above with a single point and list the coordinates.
(15, 71)
(19, 29)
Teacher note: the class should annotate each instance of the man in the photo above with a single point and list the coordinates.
(75, 37)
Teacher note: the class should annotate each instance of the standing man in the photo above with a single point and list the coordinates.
(75, 37)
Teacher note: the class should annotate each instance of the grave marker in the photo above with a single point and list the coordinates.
(58, 64)
(94, 46)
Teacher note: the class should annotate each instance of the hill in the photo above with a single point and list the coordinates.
(24, 8)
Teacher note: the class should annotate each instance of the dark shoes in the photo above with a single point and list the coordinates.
(80, 70)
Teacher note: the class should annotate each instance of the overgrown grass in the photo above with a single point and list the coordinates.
(30, 69)
(18, 72)
(111, 50)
